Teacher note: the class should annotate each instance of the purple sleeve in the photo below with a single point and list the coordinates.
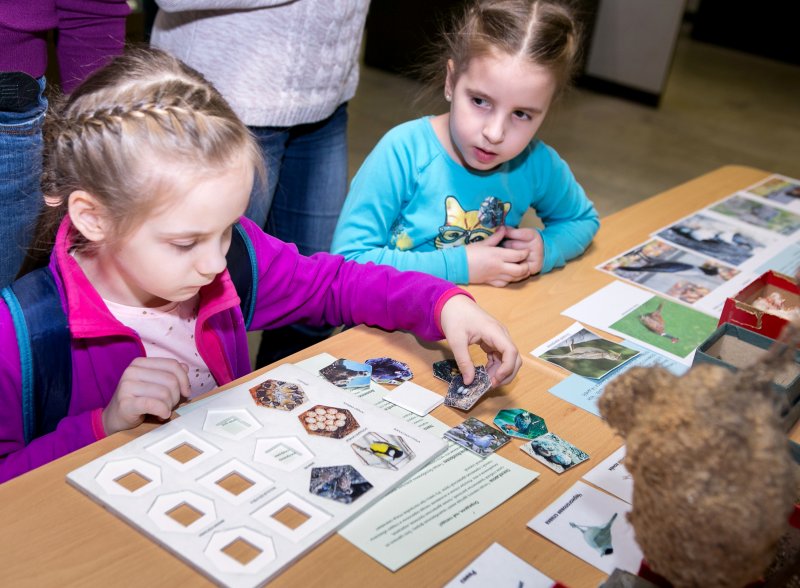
(90, 32)
(325, 288)
(73, 432)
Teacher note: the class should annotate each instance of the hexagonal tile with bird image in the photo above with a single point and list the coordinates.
(278, 394)
(342, 483)
(329, 421)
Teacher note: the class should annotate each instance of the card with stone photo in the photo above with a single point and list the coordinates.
(554, 452)
(464, 397)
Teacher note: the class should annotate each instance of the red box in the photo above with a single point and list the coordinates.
(740, 311)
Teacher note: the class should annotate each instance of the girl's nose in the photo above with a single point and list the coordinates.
(494, 131)
(212, 263)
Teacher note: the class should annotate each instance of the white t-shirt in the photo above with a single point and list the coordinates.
(168, 331)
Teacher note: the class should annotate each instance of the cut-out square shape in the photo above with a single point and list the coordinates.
(235, 483)
(241, 550)
(132, 481)
(290, 516)
(184, 453)
(185, 514)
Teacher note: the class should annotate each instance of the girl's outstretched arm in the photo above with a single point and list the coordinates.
(464, 323)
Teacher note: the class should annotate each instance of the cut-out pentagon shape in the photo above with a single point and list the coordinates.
(341, 483)
(277, 394)
(329, 421)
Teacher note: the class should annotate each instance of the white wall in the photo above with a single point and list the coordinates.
(633, 41)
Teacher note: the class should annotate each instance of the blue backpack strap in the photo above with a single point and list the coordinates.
(243, 269)
(45, 352)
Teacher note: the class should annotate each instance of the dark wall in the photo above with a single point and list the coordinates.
(770, 28)
(399, 33)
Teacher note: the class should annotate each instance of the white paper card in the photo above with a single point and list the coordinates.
(414, 398)
(593, 526)
(611, 476)
(497, 567)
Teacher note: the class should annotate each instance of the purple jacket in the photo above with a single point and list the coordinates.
(292, 288)
(89, 32)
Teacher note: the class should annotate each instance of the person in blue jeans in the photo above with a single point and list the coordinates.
(89, 32)
(22, 110)
(288, 70)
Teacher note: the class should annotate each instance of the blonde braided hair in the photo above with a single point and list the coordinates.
(128, 133)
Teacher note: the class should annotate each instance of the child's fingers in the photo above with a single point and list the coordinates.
(522, 234)
(463, 359)
(504, 360)
(146, 404)
(493, 240)
(161, 370)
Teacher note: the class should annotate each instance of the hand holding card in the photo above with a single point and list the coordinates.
(465, 323)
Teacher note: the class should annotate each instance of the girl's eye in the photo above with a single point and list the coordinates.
(522, 115)
(479, 102)
(184, 246)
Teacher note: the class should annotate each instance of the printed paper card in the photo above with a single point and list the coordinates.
(658, 324)
(497, 567)
(675, 273)
(759, 214)
(731, 243)
(593, 526)
(584, 393)
(611, 475)
(778, 190)
(584, 353)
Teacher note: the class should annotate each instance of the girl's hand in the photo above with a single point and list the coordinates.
(497, 266)
(464, 323)
(149, 385)
(530, 240)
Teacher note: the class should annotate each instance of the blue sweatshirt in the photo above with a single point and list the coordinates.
(412, 206)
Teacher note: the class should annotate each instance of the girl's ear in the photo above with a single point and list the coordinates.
(449, 81)
(88, 215)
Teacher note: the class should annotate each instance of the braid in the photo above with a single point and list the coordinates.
(143, 108)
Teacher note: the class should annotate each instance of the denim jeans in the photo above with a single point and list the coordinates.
(306, 181)
(20, 173)
(305, 189)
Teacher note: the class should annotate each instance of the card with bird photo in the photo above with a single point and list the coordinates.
(667, 325)
(584, 353)
(668, 270)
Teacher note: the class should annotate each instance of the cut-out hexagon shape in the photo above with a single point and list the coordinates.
(183, 450)
(233, 423)
(236, 482)
(277, 394)
(329, 421)
(314, 517)
(120, 477)
(221, 550)
(183, 511)
(283, 453)
(342, 483)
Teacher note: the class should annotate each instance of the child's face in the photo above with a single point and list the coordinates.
(180, 247)
(497, 105)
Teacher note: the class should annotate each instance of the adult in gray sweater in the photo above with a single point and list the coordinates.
(288, 68)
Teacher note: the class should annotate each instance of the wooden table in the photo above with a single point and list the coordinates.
(54, 535)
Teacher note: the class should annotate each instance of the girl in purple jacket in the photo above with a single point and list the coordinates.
(147, 170)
